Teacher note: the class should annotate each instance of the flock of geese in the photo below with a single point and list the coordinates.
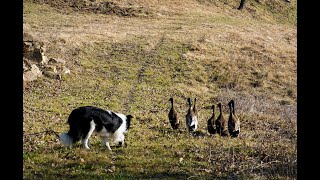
(221, 125)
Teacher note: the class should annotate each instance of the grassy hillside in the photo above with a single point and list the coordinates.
(133, 59)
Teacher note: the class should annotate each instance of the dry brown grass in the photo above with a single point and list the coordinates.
(204, 49)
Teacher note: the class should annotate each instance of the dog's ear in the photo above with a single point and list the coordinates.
(128, 121)
(129, 116)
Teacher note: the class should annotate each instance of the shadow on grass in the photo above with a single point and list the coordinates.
(102, 169)
(96, 170)
(275, 170)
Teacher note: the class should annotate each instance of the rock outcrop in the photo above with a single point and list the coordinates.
(36, 64)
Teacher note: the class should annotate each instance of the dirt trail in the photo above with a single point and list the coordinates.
(140, 74)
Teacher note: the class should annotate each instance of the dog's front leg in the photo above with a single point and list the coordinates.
(105, 142)
(85, 143)
(86, 139)
(108, 146)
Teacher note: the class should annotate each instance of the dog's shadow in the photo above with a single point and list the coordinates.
(94, 144)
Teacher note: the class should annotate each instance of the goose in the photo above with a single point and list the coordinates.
(173, 117)
(211, 124)
(191, 117)
(221, 123)
(242, 2)
(195, 110)
(233, 122)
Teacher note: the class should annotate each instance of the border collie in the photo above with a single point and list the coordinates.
(83, 121)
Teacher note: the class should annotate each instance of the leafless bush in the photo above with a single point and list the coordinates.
(246, 103)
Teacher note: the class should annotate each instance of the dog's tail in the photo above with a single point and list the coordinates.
(66, 139)
(70, 137)
(74, 134)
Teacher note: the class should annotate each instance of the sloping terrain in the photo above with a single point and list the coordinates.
(133, 58)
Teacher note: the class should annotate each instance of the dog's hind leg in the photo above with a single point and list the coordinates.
(86, 139)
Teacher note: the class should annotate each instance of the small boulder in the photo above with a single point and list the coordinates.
(26, 65)
(52, 75)
(56, 60)
(27, 37)
(65, 70)
(27, 47)
(44, 59)
(32, 74)
(50, 68)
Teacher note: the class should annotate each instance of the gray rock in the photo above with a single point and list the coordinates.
(26, 65)
(37, 56)
(27, 37)
(56, 60)
(27, 47)
(50, 68)
(38, 45)
(184, 56)
(65, 70)
(32, 74)
(44, 59)
(52, 75)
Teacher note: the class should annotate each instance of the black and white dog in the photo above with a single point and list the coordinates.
(83, 121)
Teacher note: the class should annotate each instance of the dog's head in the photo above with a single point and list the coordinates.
(119, 139)
(119, 134)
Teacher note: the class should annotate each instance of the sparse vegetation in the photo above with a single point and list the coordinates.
(188, 48)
